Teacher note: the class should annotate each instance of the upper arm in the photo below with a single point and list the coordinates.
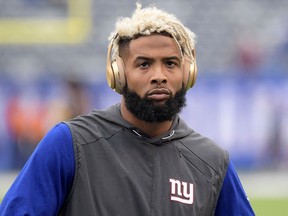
(233, 199)
(46, 179)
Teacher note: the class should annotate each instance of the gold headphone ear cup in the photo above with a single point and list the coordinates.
(115, 70)
(121, 66)
(190, 72)
(192, 75)
(110, 75)
(118, 68)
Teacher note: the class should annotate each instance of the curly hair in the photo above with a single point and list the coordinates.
(151, 20)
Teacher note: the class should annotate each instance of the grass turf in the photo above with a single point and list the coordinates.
(270, 206)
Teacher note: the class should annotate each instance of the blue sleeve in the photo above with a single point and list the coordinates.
(232, 199)
(46, 179)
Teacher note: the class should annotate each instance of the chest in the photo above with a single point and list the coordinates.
(132, 177)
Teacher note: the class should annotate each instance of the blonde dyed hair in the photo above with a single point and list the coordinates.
(151, 20)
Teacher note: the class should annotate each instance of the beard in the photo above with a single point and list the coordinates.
(148, 110)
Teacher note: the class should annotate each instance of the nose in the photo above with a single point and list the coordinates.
(159, 76)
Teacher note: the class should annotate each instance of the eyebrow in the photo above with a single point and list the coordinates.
(165, 58)
(173, 58)
(142, 58)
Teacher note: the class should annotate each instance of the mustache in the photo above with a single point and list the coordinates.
(159, 91)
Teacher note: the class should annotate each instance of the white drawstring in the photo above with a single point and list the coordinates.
(163, 138)
(170, 135)
(137, 133)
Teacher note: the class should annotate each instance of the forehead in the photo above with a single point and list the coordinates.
(154, 44)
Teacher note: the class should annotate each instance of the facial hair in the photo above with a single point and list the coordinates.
(147, 110)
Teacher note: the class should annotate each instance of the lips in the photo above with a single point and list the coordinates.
(159, 94)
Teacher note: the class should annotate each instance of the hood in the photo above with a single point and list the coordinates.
(178, 130)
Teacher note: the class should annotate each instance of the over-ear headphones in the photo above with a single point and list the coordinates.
(115, 70)
(190, 70)
(116, 77)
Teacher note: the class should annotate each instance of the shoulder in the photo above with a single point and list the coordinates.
(57, 140)
(233, 199)
(204, 150)
(207, 151)
(57, 143)
(95, 125)
(59, 132)
(46, 178)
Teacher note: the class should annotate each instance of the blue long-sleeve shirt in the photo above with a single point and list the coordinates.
(44, 182)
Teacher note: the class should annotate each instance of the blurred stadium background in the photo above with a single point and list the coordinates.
(52, 67)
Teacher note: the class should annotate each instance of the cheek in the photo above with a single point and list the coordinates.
(135, 77)
(177, 81)
(137, 84)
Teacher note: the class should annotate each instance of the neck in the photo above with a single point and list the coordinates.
(152, 129)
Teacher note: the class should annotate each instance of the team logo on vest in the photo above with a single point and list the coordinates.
(181, 191)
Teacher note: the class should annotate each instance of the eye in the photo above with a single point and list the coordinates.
(144, 65)
(171, 64)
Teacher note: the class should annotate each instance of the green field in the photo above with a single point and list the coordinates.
(267, 207)
(270, 207)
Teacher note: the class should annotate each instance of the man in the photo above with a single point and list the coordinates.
(138, 157)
